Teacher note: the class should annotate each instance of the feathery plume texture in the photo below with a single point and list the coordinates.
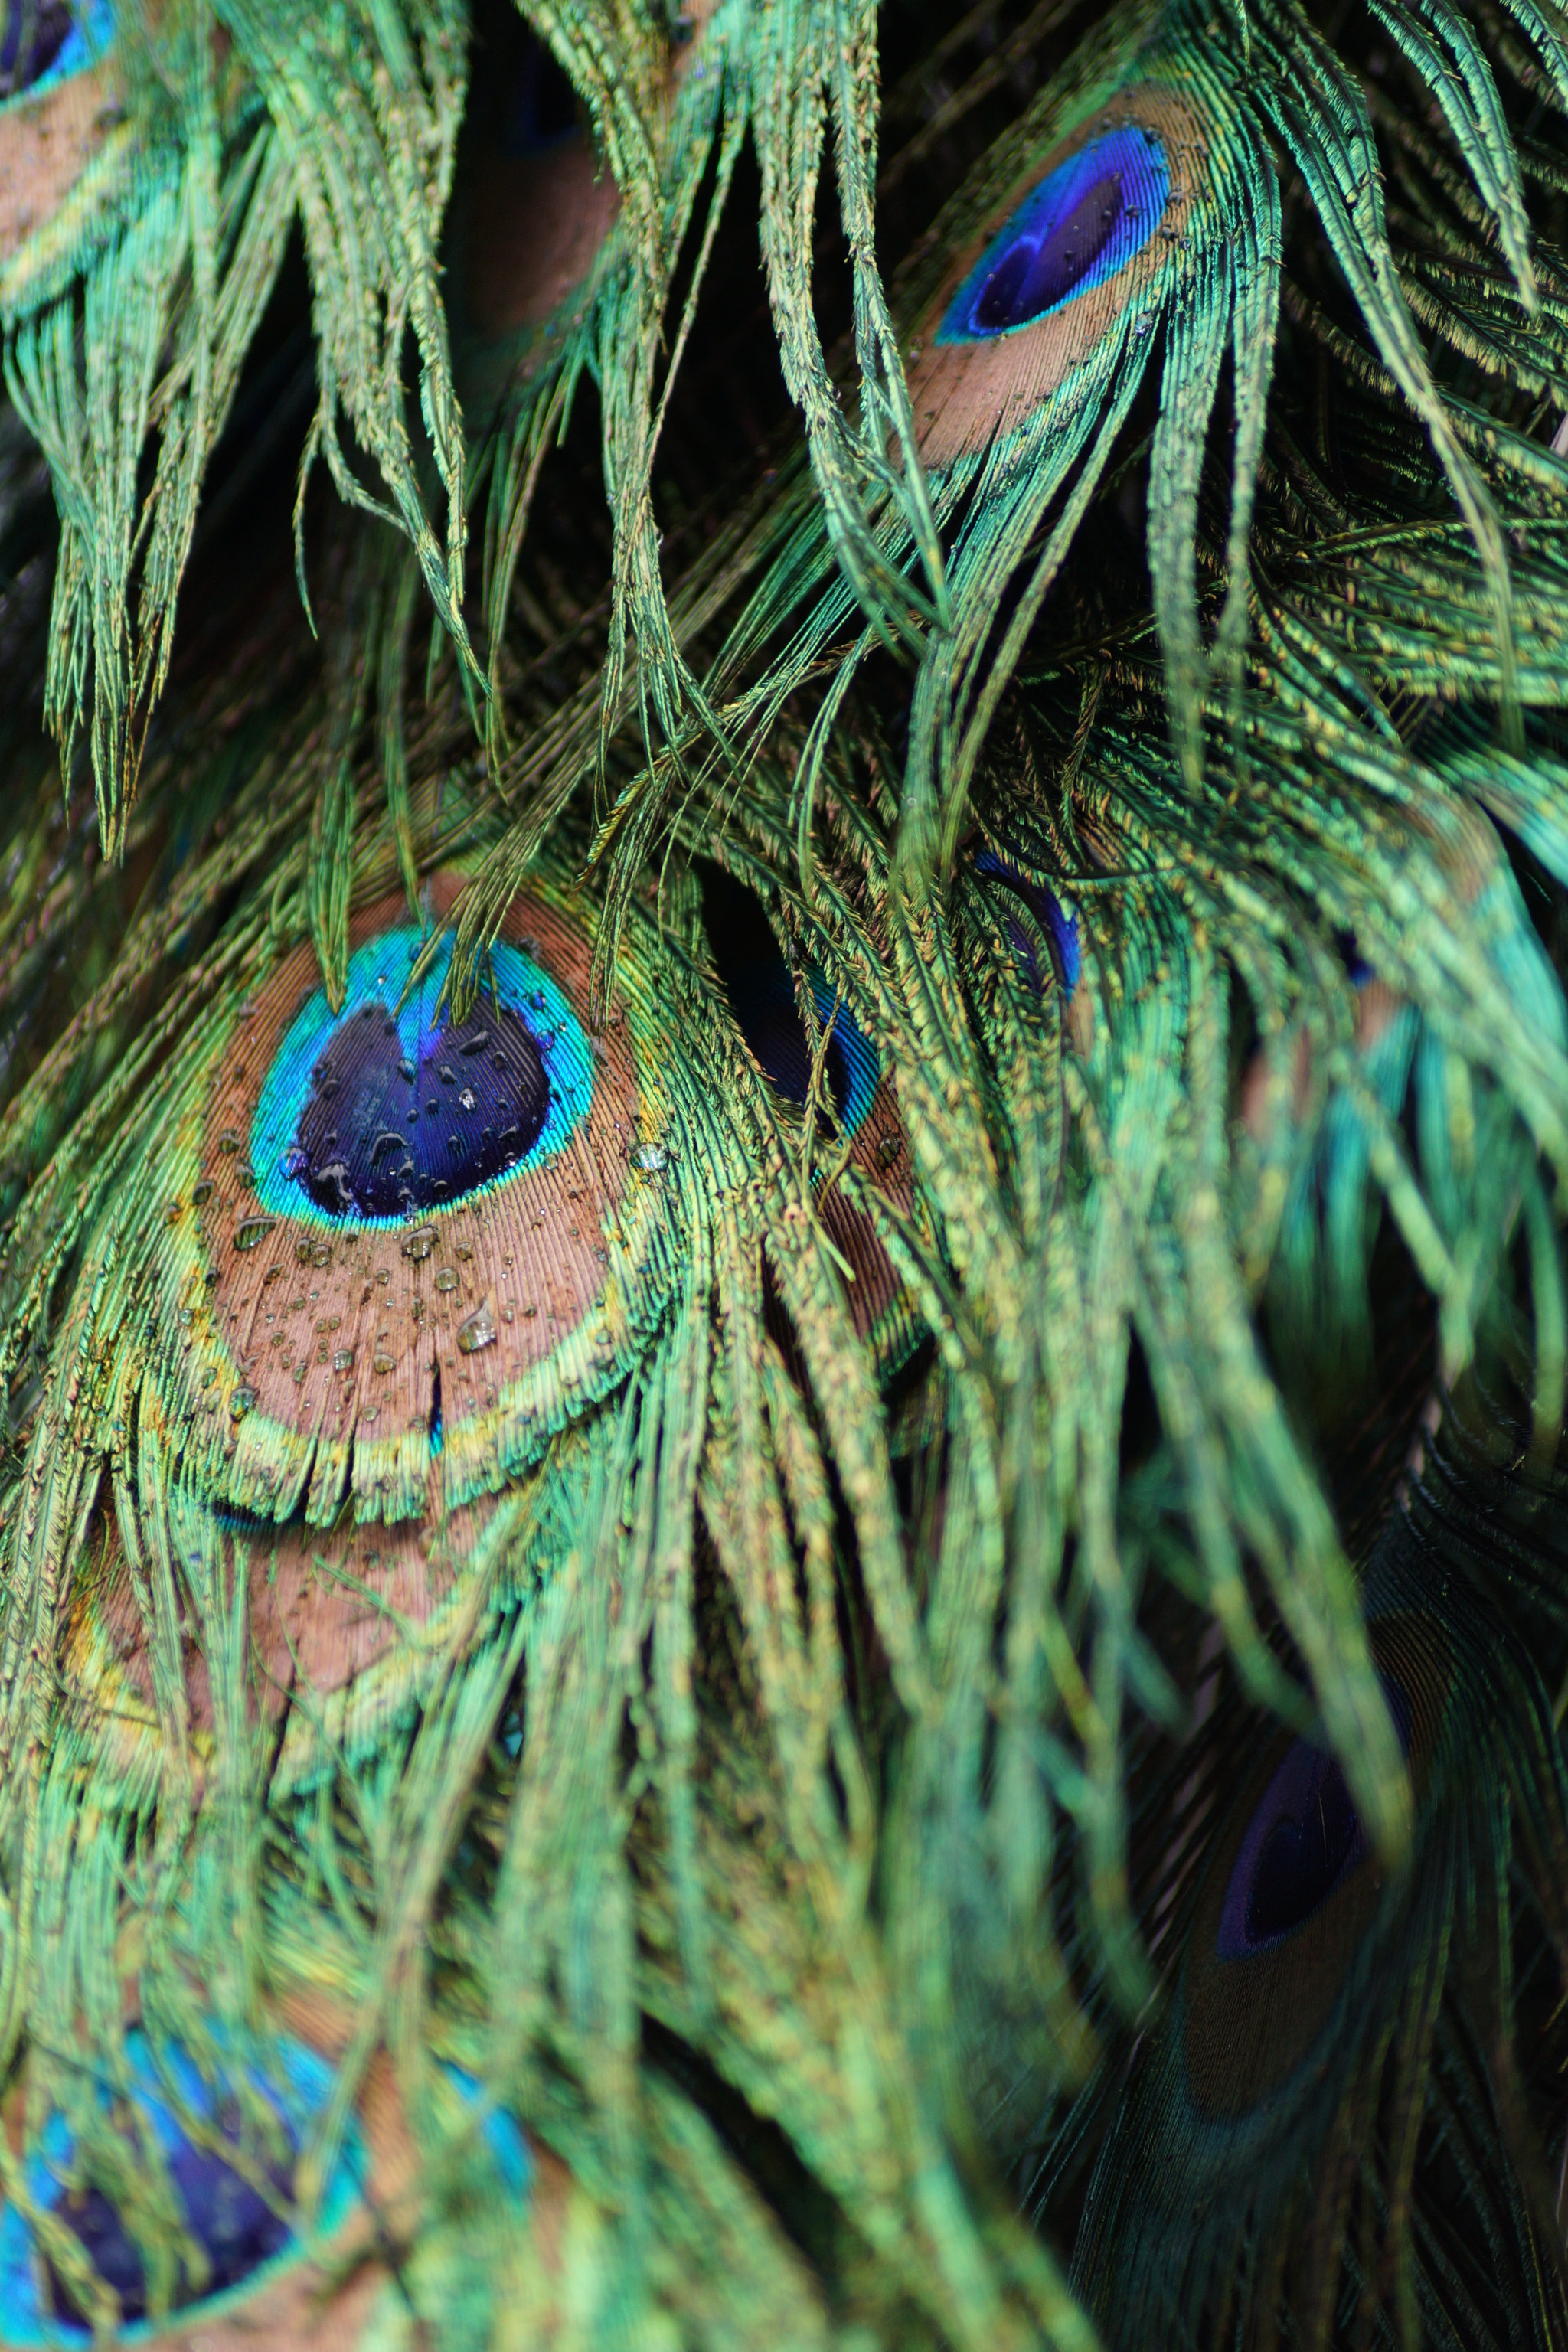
(782, 1310)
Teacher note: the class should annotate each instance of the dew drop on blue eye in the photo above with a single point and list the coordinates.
(1084, 222)
(383, 1120)
(366, 1091)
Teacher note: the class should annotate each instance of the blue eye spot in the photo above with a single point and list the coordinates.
(1303, 1841)
(1083, 222)
(238, 2227)
(43, 41)
(762, 997)
(1056, 921)
(381, 1111)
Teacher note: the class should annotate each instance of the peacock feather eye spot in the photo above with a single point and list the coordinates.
(42, 41)
(1084, 221)
(362, 1282)
(349, 1118)
(1303, 1841)
(1056, 922)
(1312, 1840)
(235, 2210)
(235, 2225)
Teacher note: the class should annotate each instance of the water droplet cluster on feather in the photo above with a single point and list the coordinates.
(413, 1171)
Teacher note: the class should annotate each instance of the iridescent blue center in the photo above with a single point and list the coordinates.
(1303, 1841)
(763, 996)
(387, 1110)
(230, 2220)
(1052, 921)
(1082, 223)
(42, 41)
(236, 2226)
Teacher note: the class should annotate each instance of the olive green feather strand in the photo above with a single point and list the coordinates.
(367, 99)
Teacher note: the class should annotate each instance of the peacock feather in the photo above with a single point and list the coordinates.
(782, 1297)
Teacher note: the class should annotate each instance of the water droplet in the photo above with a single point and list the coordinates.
(334, 1179)
(888, 1150)
(476, 1331)
(302, 1251)
(381, 1361)
(420, 1242)
(446, 1279)
(228, 1141)
(253, 1230)
(321, 1253)
(202, 1192)
(465, 1250)
(405, 1069)
(467, 1098)
(242, 1400)
(448, 1077)
(343, 1360)
(371, 1412)
(651, 1158)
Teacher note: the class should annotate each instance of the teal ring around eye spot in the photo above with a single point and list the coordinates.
(501, 2134)
(861, 1063)
(290, 1123)
(27, 2322)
